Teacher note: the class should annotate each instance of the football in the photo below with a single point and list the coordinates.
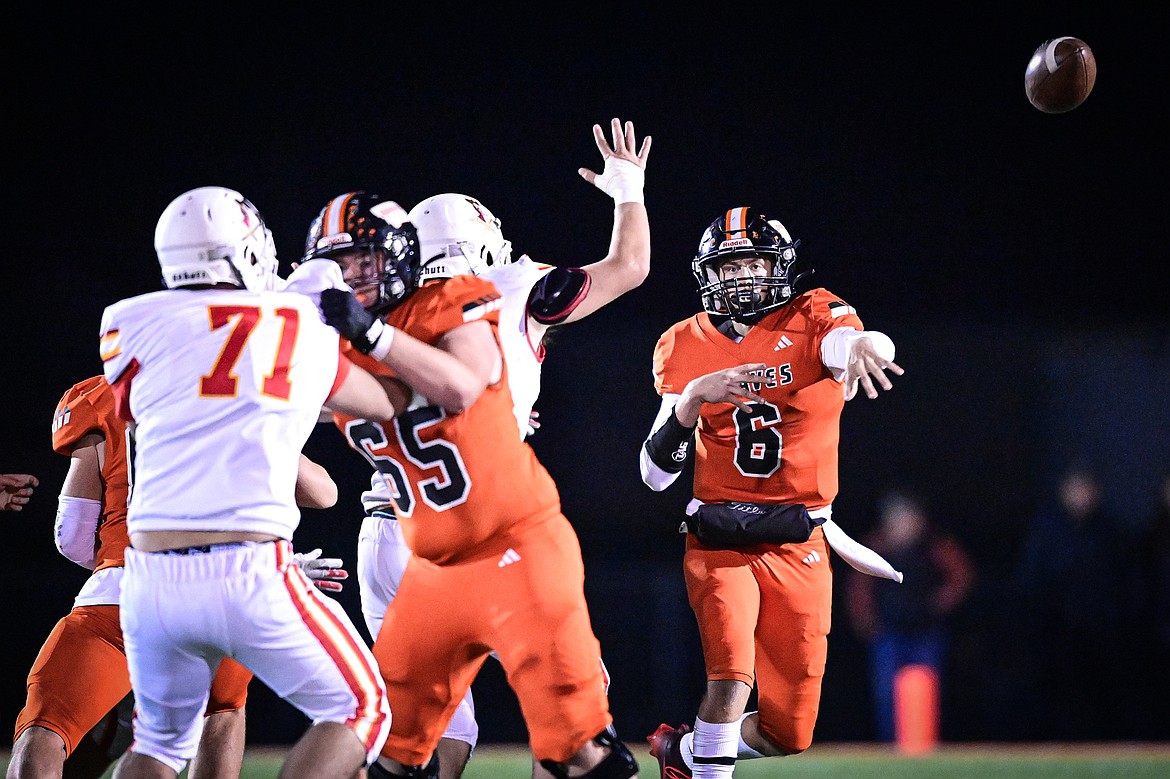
(1060, 75)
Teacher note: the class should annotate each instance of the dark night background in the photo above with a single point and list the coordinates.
(1017, 259)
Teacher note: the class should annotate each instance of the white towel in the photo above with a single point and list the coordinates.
(858, 555)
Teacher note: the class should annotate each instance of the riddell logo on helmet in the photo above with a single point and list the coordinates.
(333, 240)
(736, 243)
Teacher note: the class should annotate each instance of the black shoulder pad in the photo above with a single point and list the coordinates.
(557, 294)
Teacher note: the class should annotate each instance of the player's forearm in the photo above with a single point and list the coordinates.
(688, 407)
(626, 265)
(437, 375)
(630, 243)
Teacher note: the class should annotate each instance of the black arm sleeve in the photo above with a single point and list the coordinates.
(669, 445)
(557, 294)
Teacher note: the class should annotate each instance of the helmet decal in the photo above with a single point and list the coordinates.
(744, 232)
(368, 222)
(215, 235)
(458, 234)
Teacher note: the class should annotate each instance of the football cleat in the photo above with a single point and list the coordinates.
(665, 745)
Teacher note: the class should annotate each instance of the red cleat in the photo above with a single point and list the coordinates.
(664, 745)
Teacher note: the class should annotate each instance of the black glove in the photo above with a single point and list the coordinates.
(345, 314)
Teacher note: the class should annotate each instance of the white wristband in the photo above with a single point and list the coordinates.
(622, 180)
(383, 342)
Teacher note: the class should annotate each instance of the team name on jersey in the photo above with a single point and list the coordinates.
(772, 377)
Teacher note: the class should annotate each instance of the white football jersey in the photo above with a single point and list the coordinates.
(224, 387)
(523, 357)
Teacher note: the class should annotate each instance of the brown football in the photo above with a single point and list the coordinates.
(1060, 75)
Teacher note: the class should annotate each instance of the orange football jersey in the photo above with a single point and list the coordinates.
(463, 483)
(782, 451)
(88, 407)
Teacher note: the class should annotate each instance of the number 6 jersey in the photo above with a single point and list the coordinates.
(230, 379)
(785, 449)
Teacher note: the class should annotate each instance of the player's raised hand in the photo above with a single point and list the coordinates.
(623, 173)
(865, 364)
(15, 490)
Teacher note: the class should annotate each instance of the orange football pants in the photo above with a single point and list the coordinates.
(764, 614)
(80, 674)
(527, 604)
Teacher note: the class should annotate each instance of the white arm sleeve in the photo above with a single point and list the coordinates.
(75, 530)
(654, 477)
(835, 348)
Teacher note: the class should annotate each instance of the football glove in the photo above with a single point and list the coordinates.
(344, 313)
(325, 572)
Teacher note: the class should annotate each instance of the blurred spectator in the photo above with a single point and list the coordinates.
(907, 623)
(1072, 614)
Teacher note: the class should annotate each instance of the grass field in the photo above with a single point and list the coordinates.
(983, 761)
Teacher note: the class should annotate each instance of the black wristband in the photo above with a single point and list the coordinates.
(669, 445)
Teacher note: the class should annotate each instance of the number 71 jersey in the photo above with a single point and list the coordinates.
(225, 387)
(784, 450)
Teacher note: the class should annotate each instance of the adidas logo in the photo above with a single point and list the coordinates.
(510, 556)
(783, 343)
(812, 559)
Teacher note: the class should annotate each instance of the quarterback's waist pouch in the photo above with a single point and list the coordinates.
(735, 525)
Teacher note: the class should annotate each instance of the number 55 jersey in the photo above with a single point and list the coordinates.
(462, 484)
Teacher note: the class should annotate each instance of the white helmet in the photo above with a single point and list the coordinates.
(211, 235)
(457, 234)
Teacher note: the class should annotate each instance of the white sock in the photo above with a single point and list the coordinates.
(713, 749)
(686, 749)
(744, 751)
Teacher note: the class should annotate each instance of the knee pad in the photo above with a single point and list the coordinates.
(618, 764)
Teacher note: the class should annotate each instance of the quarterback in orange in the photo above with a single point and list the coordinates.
(756, 384)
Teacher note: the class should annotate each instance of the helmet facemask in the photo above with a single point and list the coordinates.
(374, 274)
(743, 233)
(374, 244)
(745, 298)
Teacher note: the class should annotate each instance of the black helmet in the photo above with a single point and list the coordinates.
(744, 232)
(360, 220)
